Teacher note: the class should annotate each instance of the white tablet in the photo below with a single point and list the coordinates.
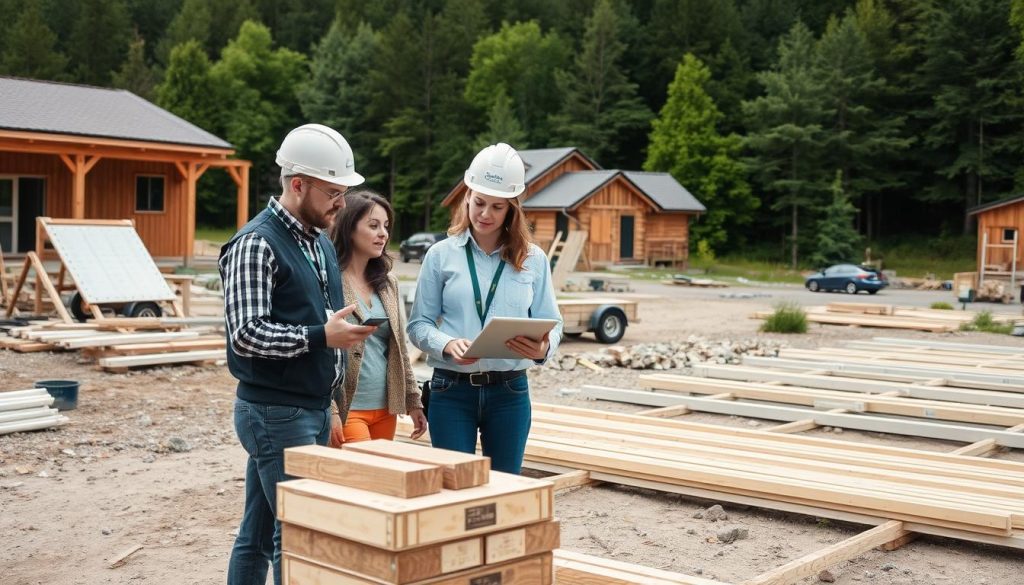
(491, 341)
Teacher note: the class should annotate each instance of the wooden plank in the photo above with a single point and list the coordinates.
(535, 570)
(815, 562)
(149, 348)
(404, 479)
(665, 411)
(985, 446)
(861, 308)
(580, 569)
(392, 523)
(1010, 381)
(927, 343)
(160, 358)
(32, 424)
(461, 470)
(572, 479)
(126, 338)
(861, 422)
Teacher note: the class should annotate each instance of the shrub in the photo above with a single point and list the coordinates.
(942, 306)
(787, 318)
(983, 321)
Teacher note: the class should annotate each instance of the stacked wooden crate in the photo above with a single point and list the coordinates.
(381, 512)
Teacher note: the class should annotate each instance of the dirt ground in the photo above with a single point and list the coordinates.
(150, 459)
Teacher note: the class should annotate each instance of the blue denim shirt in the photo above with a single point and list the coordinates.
(444, 293)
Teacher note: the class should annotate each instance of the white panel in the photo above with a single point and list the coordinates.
(109, 263)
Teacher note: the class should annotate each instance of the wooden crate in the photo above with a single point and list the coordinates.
(395, 477)
(397, 567)
(461, 470)
(535, 570)
(396, 524)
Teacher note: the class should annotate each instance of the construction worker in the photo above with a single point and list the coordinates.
(487, 267)
(286, 327)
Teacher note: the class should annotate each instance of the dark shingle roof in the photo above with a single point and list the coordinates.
(993, 205)
(60, 108)
(538, 161)
(666, 191)
(569, 189)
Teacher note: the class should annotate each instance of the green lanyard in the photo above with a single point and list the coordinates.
(481, 310)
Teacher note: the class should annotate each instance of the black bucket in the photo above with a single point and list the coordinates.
(64, 392)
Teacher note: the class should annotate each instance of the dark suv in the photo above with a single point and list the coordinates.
(416, 245)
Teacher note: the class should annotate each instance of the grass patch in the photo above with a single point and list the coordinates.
(217, 235)
(983, 321)
(787, 318)
(921, 256)
(941, 306)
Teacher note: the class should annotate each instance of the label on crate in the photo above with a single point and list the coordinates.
(481, 516)
(492, 579)
(506, 545)
(460, 555)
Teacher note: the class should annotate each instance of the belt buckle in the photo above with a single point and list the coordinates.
(479, 376)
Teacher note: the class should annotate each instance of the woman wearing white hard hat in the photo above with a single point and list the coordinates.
(486, 268)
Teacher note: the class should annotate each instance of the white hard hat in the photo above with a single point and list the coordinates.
(319, 152)
(497, 171)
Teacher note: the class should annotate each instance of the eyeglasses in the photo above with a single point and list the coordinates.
(333, 194)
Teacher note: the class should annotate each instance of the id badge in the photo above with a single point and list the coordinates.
(330, 314)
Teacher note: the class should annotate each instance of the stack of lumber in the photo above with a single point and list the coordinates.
(683, 280)
(123, 343)
(962, 496)
(380, 512)
(28, 410)
(890, 316)
(573, 568)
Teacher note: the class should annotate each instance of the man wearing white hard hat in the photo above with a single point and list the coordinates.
(283, 306)
(487, 268)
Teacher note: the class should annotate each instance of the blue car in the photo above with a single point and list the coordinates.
(847, 277)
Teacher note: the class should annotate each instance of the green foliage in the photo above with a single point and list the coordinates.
(787, 135)
(135, 74)
(836, 239)
(192, 23)
(786, 318)
(520, 61)
(99, 39)
(187, 89)
(502, 126)
(685, 142)
(600, 108)
(941, 306)
(983, 321)
(30, 47)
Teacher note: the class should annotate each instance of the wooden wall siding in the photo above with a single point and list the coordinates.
(543, 227)
(571, 164)
(993, 222)
(668, 236)
(110, 194)
(600, 215)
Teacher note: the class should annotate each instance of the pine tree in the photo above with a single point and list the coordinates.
(836, 240)
(187, 89)
(686, 143)
(192, 22)
(601, 107)
(95, 60)
(502, 126)
(30, 47)
(786, 135)
(135, 74)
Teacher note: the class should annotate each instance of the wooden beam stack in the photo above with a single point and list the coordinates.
(889, 316)
(382, 513)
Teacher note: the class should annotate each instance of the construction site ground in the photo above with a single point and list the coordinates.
(150, 460)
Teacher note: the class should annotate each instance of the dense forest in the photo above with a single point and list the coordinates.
(802, 125)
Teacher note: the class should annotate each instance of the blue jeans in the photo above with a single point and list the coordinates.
(265, 431)
(500, 411)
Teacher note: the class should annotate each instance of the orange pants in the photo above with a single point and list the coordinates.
(363, 425)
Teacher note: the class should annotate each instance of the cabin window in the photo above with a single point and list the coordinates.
(1008, 235)
(149, 193)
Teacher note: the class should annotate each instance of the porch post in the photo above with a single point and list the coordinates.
(191, 172)
(240, 175)
(79, 167)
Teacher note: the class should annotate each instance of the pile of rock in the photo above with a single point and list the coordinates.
(672, 355)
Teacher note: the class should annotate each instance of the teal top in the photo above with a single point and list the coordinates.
(371, 389)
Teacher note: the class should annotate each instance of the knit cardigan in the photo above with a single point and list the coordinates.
(403, 393)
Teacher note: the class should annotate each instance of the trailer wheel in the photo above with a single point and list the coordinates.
(573, 335)
(611, 325)
(78, 308)
(143, 309)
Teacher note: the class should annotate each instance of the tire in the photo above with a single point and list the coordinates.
(143, 310)
(813, 286)
(405, 258)
(573, 335)
(610, 327)
(851, 288)
(871, 292)
(78, 308)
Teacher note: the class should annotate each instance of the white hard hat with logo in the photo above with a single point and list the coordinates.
(320, 152)
(497, 171)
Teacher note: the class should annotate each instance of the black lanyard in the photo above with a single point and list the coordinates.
(481, 310)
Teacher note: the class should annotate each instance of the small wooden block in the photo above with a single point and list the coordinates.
(536, 570)
(393, 523)
(404, 479)
(461, 470)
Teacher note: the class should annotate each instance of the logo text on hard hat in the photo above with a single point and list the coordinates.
(349, 164)
(330, 172)
(493, 178)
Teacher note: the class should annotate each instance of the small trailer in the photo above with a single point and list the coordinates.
(606, 318)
